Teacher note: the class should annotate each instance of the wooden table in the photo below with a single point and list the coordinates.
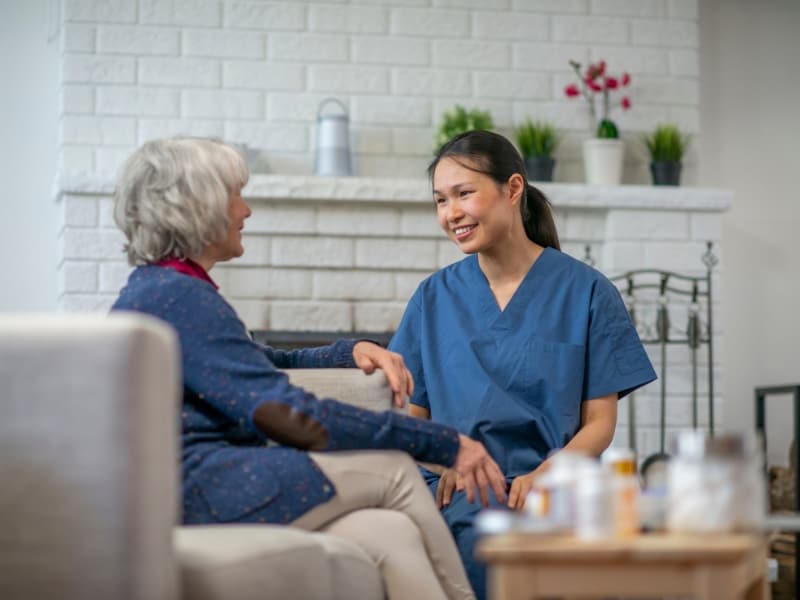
(707, 567)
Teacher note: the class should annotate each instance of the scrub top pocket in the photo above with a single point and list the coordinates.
(553, 373)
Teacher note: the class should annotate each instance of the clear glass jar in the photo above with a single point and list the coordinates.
(715, 484)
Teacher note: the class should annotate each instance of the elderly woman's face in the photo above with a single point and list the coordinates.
(231, 246)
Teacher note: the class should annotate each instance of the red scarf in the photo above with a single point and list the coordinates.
(188, 267)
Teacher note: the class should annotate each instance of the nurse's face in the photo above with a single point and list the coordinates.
(473, 210)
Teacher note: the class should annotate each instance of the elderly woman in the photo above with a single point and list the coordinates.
(179, 203)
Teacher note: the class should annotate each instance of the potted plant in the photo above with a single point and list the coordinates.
(604, 152)
(458, 120)
(537, 142)
(666, 144)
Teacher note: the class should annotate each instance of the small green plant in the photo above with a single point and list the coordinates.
(666, 143)
(458, 120)
(537, 139)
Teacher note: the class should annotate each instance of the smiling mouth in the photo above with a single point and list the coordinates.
(464, 231)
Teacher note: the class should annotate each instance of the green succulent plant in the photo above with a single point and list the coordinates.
(458, 120)
(666, 143)
(537, 139)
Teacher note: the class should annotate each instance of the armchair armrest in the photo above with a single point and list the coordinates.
(352, 386)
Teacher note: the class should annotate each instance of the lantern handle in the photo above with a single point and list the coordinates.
(328, 101)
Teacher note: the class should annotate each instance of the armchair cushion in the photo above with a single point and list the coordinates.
(247, 562)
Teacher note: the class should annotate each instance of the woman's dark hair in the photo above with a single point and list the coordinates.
(493, 155)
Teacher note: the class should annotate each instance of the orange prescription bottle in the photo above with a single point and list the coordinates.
(622, 463)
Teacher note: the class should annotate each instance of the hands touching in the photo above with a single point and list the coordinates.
(477, 468)
(369, 356)
(489, 473)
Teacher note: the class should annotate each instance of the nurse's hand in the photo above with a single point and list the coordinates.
(369, 356)
(448, 482)
(478, 469)
(520, 487)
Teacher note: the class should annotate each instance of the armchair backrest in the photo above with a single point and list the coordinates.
(88, 457)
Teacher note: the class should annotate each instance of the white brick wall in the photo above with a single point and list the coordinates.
(100, 11)
(396, 64)
(130, 39)
(255, 72)
(348, 19)
(430, 23)
(202, 13)
(263, 17)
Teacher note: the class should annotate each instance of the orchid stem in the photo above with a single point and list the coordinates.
(585, 92)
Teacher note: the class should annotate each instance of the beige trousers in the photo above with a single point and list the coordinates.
(383, 505)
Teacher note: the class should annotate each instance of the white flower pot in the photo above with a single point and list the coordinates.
(602, 161)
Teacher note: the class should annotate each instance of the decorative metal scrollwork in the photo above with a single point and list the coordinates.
(652, 297)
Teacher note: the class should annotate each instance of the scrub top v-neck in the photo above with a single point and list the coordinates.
(515, 378)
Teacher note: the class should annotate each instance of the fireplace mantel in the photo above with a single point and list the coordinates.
(387, 191)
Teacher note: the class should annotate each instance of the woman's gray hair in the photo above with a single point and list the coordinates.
(172, 195)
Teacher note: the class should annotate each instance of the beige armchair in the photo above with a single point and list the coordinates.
(89, 482)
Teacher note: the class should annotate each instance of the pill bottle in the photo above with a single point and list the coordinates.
(554, 495)
(715, 484)
(621, 463)
(594, 502)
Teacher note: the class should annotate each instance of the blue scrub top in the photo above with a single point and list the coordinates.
(515, 379)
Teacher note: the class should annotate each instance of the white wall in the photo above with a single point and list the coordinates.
(256, 72)
(751, 130)
(29, 63)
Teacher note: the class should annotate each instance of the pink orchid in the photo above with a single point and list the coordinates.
(595, 80)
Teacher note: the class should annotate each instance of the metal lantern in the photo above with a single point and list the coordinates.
(332, 156)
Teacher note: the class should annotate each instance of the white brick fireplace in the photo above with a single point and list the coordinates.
(345, 254)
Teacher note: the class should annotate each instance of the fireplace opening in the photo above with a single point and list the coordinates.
(288, 340)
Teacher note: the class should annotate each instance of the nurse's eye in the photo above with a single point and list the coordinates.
(439, 200)
(463, 193)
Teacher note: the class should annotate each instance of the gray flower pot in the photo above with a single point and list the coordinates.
(666, 173)
(540, 168)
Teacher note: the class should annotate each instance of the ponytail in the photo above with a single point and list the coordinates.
(537, 217)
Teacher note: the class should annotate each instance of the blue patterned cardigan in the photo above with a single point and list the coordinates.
(229, 473)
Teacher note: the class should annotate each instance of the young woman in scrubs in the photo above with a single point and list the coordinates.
(517, 345)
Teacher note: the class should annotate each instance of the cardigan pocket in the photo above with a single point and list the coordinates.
(233, 483)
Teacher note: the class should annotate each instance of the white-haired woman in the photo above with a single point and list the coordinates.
(179, 203)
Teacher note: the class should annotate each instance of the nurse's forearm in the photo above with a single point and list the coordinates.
(598, 421)
(592, 439)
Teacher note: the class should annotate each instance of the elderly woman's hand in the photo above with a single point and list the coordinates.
(478, 471)
(369, 356)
